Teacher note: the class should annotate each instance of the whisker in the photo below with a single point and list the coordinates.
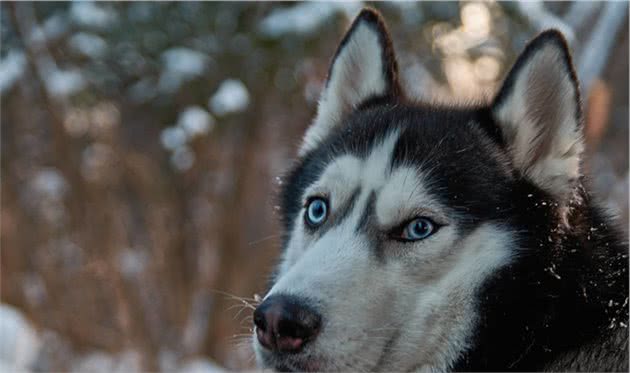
(261, 240)
(234, 296)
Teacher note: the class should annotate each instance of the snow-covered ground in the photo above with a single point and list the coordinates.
(19, 341)
(24, 349)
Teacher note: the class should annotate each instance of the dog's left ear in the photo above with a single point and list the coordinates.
(538, 110)
(363, 68)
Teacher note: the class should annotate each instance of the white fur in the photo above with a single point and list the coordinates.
(366, 303)
(559, 164)
(450, 296)
(405, 185)
(340, 178)
(356, 74)
(337, 182)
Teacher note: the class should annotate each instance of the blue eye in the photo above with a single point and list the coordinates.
(316, 212)
(418, 229)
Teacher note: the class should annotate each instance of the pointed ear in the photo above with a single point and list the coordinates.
(363, 68)
(539, 112)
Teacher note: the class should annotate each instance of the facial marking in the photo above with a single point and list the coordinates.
(339, 180)
(444, 306)
(367, 212)
(348, 206)
(405, 196)
(347, 182)
(414, 294)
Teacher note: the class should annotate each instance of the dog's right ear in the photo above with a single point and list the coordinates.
(363, 68)
(538, 110)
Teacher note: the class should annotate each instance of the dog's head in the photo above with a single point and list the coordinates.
(397, 213)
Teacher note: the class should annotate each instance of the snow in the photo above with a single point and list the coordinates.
(97, 362)
(182, 158)
(88, 44)
(19, 342)
(192, 121)
(132, 262)
(180, 65)
(184, 61)
(11, 69)
(200, 365)
(64, 82)
(304, 18)
(173, 137)
(231, 97)
(49, 183)
(195, 121)
(22, 349)
(52, 28)
(167, 360)
(87, 13)
(44, 194)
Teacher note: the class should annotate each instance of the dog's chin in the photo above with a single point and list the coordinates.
(291, 363)
(294, 364)
(300, 366)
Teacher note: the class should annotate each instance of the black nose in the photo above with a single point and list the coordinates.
(285, 323)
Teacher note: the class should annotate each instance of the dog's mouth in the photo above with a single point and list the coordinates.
(311, 360)
(315, 363)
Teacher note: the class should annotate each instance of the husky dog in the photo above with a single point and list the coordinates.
(434, 238)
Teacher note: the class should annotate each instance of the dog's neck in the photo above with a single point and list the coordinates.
(569, 289)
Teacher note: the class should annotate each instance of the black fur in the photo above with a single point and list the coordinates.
(567, 290)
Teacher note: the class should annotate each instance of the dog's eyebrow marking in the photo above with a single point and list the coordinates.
(367, 212)
(348, 206)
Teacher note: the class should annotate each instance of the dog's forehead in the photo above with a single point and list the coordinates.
(367, 170)
(445, 156)
(439, 141)
(397, 189)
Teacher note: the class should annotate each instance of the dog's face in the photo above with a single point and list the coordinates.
(396, 214)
